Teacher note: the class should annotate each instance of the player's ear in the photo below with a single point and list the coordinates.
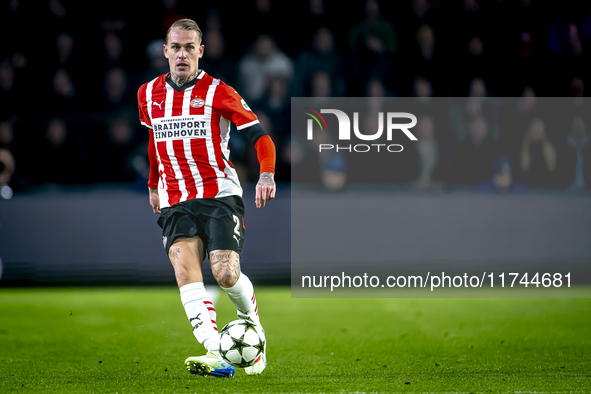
(165, 49)
(201, 48)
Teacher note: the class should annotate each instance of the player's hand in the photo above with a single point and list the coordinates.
(155, 200)
(265, 189)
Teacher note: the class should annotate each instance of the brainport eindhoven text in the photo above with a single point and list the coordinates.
(179, 129)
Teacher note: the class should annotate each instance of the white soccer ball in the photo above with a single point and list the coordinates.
(242, 342)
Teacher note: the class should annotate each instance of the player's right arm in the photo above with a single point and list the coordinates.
(155, 200)
(153, 177)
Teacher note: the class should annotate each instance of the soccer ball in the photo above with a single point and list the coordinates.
(242, 342)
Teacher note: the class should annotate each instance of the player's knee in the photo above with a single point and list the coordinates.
(226, 279)
(225, 265)
(182, 277)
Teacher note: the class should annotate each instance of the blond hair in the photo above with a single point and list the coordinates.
(185, 24)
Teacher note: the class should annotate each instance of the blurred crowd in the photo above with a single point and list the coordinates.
(69, 73)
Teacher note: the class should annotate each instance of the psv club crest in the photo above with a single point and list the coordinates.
(197, 102)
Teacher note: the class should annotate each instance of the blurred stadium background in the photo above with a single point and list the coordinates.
(75, 155)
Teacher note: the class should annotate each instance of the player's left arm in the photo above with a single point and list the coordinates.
(234, 108)
(265, 188)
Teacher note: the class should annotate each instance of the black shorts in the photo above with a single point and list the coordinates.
(219, 222)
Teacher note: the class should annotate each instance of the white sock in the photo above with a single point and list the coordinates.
(201, 315)
(242, 296)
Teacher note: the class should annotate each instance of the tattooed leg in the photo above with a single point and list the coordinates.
(186, 256)
(225, 265)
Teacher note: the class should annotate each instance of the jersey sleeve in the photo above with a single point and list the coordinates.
(143, 107)
(233, 107)
(266, 154)
(146, 121)
(153, 160)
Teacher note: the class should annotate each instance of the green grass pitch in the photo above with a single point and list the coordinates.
(134, 340)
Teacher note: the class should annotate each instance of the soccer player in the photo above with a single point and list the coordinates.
(195, 189)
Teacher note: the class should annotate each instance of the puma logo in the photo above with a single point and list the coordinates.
(199, 321)
(158, 104)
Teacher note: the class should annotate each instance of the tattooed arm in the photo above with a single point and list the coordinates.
(265, 189)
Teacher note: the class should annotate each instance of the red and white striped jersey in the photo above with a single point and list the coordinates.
(190, 131)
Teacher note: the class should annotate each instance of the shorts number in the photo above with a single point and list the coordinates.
(236, 229)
